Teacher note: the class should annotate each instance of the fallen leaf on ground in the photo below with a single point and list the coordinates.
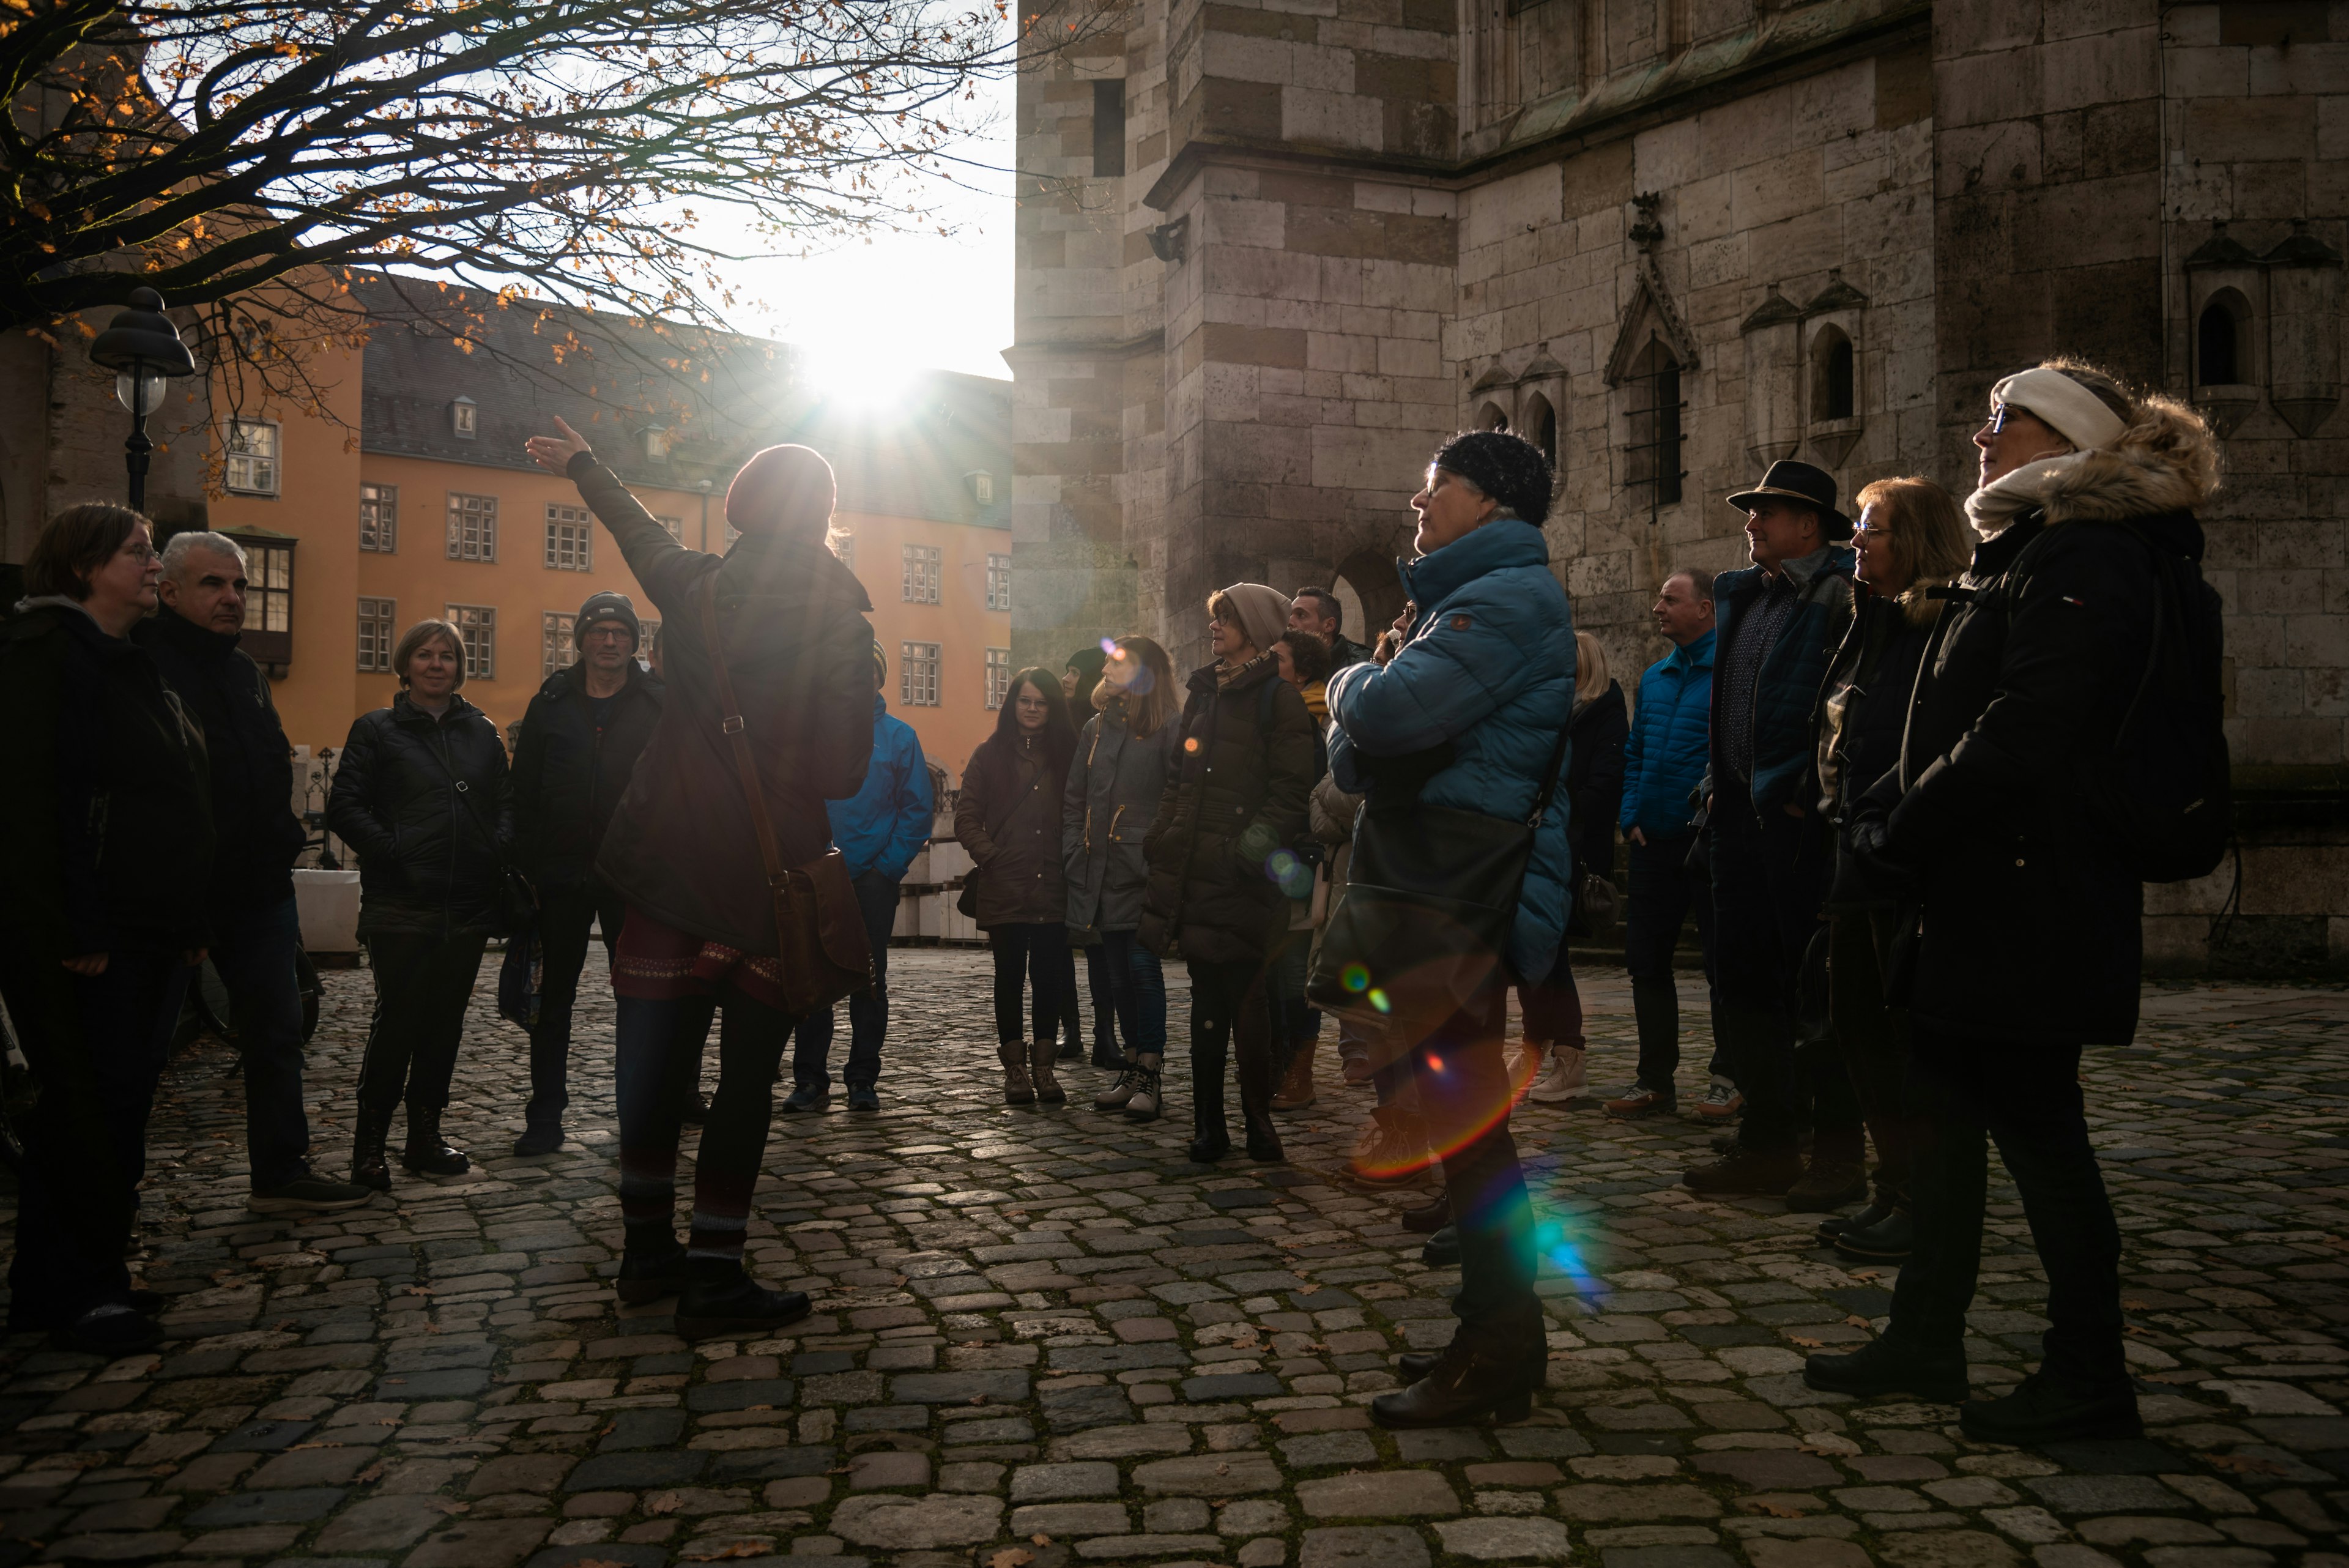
(1011, 1557)
(1807, 1344)
(1856, 1320)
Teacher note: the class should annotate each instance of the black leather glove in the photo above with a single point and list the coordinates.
(1869, 836)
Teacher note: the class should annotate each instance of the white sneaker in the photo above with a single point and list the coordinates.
(1563, 1080)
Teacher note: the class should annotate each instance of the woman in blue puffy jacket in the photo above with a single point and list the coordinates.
(1469, 712)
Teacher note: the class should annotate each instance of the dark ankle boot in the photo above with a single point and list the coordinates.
(1209, 1140)
(1255, 1106)
(428, 1153)
(369, 1167)
(1890, 1365)
(719, 1298)
(1488, 1373)
(2054, 1409)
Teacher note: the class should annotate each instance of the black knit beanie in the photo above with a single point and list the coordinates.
(1510, 469)
(604, 607)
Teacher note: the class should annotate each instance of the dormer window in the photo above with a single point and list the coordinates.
(465, 419)
(655, 443)
(982, 487)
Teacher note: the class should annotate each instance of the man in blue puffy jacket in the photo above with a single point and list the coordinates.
(1663, 769)
(878, 830)
(1469, 714)
(1780, 622)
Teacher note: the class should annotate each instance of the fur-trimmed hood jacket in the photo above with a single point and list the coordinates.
(2030, 928)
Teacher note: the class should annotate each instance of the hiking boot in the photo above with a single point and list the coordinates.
(1829, 1183)
(1017, 1089)
(1722, 1101)
(1414, 1364)
(1638, 1101)
(809, 1097)
(1890, 1365)
(1296, 1091)
(1564, 1080)
(369, 1167)
(1392, 1149)
(1040, 1067)
(1488, 1373)
(1747, 1172)
(308, 1195)
(1836, 1224)
(2044, 1409)
(1889, 1240)
(861, 1098)
(1430, 1216)
(428, 1153)
(1119, 1094)
(644, 1278)
(1149, 1100)
(722, 1300)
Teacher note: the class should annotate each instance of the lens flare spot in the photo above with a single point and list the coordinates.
(1434, 1063)
(1379, 1000)
(1357, 978)
(1192, 745)
(1109, 646)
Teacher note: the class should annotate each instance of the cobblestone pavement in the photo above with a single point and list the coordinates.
(1042, 1338)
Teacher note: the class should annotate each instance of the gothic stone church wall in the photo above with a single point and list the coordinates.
(1339, 229)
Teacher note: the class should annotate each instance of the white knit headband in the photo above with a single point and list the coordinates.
(2064, 406)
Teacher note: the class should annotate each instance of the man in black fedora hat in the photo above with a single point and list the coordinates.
(1780, 620)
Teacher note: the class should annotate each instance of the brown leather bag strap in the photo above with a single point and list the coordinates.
(732, 722)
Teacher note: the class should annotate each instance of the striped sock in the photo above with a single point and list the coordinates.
(649, 1198)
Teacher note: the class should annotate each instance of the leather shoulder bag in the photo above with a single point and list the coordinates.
(821, 951)
(1424, 923)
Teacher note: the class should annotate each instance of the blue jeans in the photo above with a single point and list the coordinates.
(868, 1017)
(254, 952)
(96, 1044)
(1138, 989)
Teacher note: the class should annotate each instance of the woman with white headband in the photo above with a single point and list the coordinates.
(2023, 944)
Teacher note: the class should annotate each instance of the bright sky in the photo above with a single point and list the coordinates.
(872, 312)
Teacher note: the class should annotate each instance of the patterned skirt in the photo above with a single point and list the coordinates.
(660, 963)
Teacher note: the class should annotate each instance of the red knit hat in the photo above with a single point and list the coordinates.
(784, 489)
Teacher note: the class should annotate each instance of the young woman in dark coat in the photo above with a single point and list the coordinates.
(1008, 815)
(1910, 541)
(422, 795)
(1236, 798)
(106, 865)
(683, 853)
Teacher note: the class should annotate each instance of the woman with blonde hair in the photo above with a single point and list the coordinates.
(421, 793)
(1122, 757)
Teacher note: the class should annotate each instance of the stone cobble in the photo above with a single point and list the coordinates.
(1042, 1339)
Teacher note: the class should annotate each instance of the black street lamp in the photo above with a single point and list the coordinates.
(143, 349)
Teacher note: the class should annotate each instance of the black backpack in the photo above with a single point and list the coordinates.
(2165, 794)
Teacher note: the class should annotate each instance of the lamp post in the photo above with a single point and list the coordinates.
(143, 350)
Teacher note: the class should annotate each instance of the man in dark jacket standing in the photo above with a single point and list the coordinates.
(578, 744)
(256, 932)
(1779, 620)
(2027, 934)
(1316, 610)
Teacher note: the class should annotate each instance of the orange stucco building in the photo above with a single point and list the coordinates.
(435, 511)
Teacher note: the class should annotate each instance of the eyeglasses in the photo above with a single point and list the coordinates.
(2000, 415)
(1864, 531)
(142, 554)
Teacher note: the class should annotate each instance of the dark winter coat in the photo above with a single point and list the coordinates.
(1114, 785)
(2031, 926)
(1787, 690)
(1862, 707)
(432, 856)
(256, 834)
(1245, 765)
(569, 775)
(1594, 778)
(1664, 756)
(106, 791)
(1008, 815)
(795, 641)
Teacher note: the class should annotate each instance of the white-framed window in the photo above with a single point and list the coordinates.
(676, 527)
(252, 458)
(570, 538)
(918, 674)
(379, 518)
(377, 636)
(999, 584)
(998, 675)
(561, 651)
(478, 624)
(269, 599)
(982, 488)
(843, 545)
(465, 419)
(472, 527)
(924, 568)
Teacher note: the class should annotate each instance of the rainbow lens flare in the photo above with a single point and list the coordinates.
(1357, 978)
